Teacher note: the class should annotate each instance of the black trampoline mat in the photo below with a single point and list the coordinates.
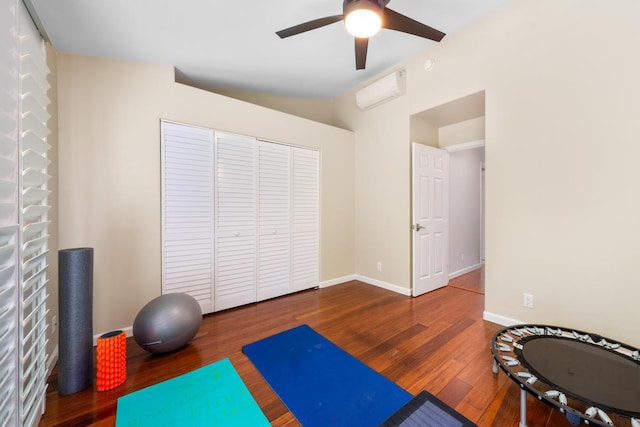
(599, 376)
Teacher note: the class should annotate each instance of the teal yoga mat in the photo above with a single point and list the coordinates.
(321, 384)
(210, 396)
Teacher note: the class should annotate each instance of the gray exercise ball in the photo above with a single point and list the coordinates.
(167, 323)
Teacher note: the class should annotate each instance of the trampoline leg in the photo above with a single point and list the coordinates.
(494, 369)
(523, 408)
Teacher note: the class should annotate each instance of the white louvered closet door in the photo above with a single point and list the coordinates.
(188, 209)
(306, 218)
(274, 220)
(9, 220)
(236, 218)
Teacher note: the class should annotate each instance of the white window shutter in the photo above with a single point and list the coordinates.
(236, 217)
(306, 218)
(187, 212)
(34, 221)
(9, 219)
(274, 220)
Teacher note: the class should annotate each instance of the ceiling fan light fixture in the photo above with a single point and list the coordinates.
(362, 18)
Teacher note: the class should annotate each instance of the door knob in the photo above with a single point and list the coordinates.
(418, 227)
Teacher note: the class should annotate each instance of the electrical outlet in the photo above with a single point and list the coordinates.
(527, 300)
(54, 324)
(379, 266)
(462, 257)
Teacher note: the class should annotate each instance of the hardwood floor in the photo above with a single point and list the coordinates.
(472, 281)
(436, 342)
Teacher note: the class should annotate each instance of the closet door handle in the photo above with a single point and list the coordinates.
(418, 227)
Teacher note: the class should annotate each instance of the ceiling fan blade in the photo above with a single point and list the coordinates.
(308, 26)
(361, 52)
(393, 20)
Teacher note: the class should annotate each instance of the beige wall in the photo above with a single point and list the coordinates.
(462, 132)
(561, 150)
(109, 172)
(423, 131)
(382, 189)
(319, 110)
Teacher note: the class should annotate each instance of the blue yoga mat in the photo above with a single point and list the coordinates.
(210, 396)
(321, 384)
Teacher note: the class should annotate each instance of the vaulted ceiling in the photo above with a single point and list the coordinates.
(231, 45)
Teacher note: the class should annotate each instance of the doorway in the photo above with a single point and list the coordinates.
(466, 207)
(458, 127)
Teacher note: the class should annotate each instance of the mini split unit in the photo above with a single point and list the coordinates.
(383, 90)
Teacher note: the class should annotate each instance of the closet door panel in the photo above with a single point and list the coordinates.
(306, 218)
(187, 212)
(240, 217)
(236, 217)
(274, 220)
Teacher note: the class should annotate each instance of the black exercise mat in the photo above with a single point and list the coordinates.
(426, 410)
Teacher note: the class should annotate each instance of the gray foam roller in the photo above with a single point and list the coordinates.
(75, 313)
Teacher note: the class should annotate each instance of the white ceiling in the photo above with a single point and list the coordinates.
(232, 45)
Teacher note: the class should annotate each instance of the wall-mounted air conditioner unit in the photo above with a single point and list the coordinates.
(382, 90)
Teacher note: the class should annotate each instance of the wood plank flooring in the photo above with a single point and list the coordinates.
(472, 281)
(436, 342)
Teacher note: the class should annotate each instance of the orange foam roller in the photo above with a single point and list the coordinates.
(111, 355)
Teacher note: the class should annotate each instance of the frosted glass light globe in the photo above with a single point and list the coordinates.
(363, 23)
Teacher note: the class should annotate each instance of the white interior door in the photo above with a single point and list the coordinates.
(274, 220)
(236, 217)
(430, 212)
(306, 219)
(187, 212)
(241, 217)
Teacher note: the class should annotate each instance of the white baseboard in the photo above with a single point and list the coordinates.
(464, 270)
(127, 330)
(337, 281)
(367, 280)
(384, 285)
(499, 319)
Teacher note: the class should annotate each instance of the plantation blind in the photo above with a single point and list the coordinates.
(9, 216)
(34, 221)
(23, 217)
(187, 212)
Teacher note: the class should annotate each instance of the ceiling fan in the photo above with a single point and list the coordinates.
(363, 19)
